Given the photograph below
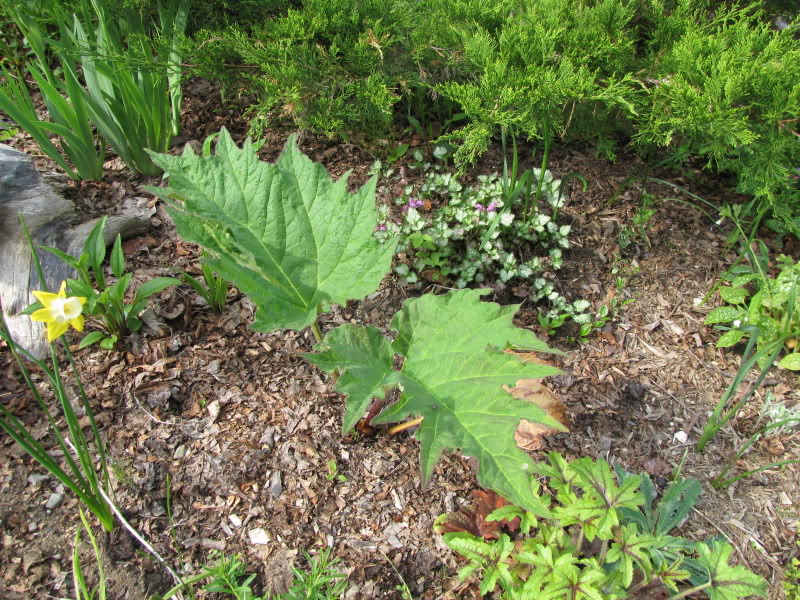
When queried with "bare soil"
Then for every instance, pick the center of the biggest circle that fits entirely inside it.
(237, 428)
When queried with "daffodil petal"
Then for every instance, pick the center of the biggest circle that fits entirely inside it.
(62, 291)
(56, 330)
(77, 322)
(45, 298)
(43, 314)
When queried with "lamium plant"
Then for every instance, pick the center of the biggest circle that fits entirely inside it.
(457, 235)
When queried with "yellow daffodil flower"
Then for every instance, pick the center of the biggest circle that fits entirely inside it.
(59, 311)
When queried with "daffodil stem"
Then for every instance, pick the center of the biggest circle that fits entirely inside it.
(101, 447)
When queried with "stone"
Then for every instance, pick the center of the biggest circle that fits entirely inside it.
(54, 501)
(51, 221)
(258, 536)
(275, 485)
(36, 478)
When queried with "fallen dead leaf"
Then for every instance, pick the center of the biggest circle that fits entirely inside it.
(472, 518)
(529, 435)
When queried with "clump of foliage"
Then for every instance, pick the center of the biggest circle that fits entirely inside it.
(327, 66)
(550, 69)
(725, 89)
(212, 289)
(115, 77)
(601, 537)
(768, 303)
(106, 306)
(458, 235)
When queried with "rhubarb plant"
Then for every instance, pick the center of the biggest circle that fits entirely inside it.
(295, 241)
(455, 365)
(286, 234)
(596, 543)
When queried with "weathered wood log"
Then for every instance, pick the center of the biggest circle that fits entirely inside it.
(48, 217)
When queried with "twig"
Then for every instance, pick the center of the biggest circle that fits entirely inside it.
(406, 425)
(149, 414)
(769, 559)
(141, 540)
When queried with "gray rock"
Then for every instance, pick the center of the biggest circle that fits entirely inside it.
(36, 478)
(275, 485)
(50, 219)
(54, 501)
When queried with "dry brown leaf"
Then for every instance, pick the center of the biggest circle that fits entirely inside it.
(529, 435)
(531, 357)
(472, 518)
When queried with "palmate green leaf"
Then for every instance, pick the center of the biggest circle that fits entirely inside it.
(285, 234)
(728, 582)
(452, 375)
(630, 550)
(598, 507)
(671, 510)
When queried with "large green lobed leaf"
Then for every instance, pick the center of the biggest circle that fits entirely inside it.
(286, 234)
(453, 373)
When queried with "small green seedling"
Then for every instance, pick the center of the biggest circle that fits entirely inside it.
(215, 290)
(333, 472)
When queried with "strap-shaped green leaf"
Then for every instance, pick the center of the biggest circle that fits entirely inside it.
(453, 374)
(285, 234)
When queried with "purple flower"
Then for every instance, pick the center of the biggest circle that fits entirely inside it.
(492, 206)
(479, 207)
(412, 204)
(381, 227)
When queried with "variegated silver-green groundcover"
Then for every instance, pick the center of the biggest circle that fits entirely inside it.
(286, 234)
(453, 372)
